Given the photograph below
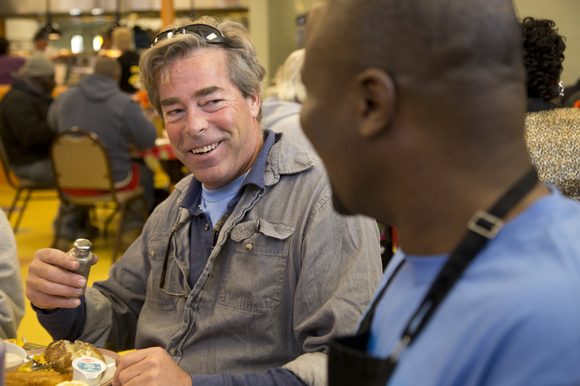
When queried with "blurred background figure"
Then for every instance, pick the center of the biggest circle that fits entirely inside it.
(11, 289)
(572, 96)
(42, 46)
(129, 59)
(281, 109)
(23, 126)
(551, 132)
(107, 44)
(8, 63)
(142, 39)
(543, 57)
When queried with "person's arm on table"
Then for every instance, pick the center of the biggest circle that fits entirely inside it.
(142, 131)
(153, 366)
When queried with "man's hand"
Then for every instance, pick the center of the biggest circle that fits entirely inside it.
(50, 284)
(149, 367)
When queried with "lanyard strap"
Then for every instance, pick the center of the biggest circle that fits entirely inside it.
(482, 227)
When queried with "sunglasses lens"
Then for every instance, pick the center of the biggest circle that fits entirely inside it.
(209, 33)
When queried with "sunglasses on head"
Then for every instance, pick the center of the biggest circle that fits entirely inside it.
(209, 33)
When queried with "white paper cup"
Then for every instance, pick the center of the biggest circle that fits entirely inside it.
(13, 357)
(88, 369)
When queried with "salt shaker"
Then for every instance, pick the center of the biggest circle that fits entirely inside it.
(82, 252)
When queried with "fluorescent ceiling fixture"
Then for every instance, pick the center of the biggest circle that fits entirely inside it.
(77, 44)
(74, 12)
(97, 11)
(97, 42)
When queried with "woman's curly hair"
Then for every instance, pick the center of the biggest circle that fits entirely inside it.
(543, 57)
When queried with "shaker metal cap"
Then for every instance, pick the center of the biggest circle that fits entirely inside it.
(83, 245)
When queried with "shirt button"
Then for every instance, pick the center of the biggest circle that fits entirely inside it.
(172, 351)
(151, 254)
(207, 227)
(248, 247)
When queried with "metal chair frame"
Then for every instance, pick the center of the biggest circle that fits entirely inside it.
(24, 188)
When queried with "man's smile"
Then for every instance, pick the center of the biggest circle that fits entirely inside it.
(205, 149)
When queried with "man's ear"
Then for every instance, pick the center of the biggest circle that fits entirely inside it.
(254, 102)
(376, 101)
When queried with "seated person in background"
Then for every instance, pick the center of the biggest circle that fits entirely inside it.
(8, 64)
(23, 126)
(543, 57)
(12, 304)
(551, 133)
(98, 105)
(245, 272)
(282, 109)
(129, 59)
(422, 128)
(553, 142)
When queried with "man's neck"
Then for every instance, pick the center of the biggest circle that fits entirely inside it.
(440, 227)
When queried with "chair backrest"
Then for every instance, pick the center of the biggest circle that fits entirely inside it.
(80, 161)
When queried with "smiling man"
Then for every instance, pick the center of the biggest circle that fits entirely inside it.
(245, 272)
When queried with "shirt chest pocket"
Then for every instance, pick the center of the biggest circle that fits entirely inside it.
(156, 299)
(254, 266)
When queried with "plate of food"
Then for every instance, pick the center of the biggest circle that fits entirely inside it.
(61, 353)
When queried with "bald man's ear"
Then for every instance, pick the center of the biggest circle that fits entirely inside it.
(377, 101)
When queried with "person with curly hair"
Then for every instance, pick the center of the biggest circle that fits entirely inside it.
(550, 129)
(543, 57)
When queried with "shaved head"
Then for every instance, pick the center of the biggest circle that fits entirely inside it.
(427, 40)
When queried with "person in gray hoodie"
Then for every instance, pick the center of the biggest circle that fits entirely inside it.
(12, 304)
(98, 105)
(281, 110)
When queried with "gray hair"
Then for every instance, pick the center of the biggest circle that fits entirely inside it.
(245, 70)
(108, 67)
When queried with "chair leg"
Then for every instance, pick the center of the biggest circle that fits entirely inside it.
(107, 222)
(24, 203)
(61, 213)
(120, 226)
(13, 206)
(145, 211)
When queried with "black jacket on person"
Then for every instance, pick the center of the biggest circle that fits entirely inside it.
(130, 65)
(23, 126)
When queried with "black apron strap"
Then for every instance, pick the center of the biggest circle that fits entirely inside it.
(365, 325)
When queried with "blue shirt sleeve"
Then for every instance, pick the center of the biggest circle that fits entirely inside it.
(63, 323)
(275, 377)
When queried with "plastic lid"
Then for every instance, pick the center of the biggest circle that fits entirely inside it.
(89, 367)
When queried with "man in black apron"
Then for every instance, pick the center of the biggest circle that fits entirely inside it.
(417, 109)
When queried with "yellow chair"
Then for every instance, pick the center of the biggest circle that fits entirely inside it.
(81, 162)
(22, 186)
